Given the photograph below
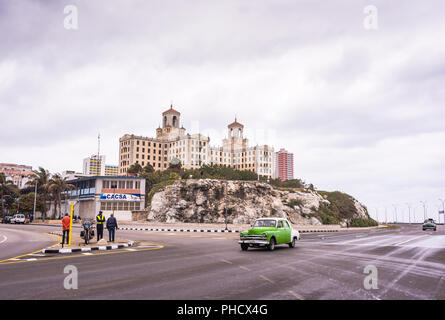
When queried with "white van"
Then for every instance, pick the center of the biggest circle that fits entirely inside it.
(18, 218)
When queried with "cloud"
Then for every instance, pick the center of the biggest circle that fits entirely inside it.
(361, 110)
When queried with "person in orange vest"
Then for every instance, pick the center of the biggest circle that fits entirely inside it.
(66, 228)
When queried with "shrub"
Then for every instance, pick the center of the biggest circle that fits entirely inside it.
(156, 188)
(359, 222)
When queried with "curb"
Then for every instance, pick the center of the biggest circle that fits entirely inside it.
(307, 231)
(180, 230)
(101, 248)
(209, 230)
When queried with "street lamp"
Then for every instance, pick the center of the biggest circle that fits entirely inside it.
(225, 205)
(35, 202)
(377, 214)
(409, 212)
(395, 210)
(443, 210)
(424, 209)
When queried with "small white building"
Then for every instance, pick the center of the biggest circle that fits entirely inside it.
(120, 195)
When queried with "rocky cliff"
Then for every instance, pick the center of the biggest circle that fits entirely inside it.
(203, 201)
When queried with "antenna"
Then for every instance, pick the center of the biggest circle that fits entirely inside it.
(98, 146)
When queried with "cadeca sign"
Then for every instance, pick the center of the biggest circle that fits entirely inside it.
(120, 197)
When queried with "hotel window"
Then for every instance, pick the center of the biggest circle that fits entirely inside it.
(137, 184)
(106, 184)
(129, 184)
(121, 184)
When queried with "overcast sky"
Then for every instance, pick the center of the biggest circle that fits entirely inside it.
(361, 109)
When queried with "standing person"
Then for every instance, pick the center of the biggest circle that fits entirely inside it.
(66, 229)
(100, 219)
(111, 226)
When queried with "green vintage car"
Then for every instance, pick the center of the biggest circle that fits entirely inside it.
(268, 232)
(429, 224)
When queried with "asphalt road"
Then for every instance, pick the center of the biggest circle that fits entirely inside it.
(410, 264)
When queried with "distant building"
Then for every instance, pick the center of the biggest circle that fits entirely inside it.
(284, 165)
(18, 174)
(95, 166)
(173, 144)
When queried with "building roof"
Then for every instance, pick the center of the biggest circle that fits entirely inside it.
(171, 110)
(235, 124)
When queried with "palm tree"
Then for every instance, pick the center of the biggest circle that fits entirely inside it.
(42, 178)
(6, 188)
(58, 185)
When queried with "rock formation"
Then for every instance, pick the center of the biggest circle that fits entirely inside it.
(204, 201)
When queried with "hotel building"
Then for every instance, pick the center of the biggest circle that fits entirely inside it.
(172, 143)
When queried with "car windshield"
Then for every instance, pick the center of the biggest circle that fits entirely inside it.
(265, 223)
(429, 220)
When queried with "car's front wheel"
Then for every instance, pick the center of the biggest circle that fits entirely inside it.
(292, 244)
(271, 245)
(244, 246)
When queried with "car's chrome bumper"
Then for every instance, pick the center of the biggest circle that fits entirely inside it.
(257, 242)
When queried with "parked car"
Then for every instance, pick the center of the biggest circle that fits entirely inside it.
(268, 232)
(6, 219)
(18, 218)
(429, 224)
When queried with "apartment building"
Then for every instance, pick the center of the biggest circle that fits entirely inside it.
(95, 166)
(18, 174)
(284, 165)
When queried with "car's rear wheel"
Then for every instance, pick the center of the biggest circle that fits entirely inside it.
(292, 244)
(244, 246)
(271, 245)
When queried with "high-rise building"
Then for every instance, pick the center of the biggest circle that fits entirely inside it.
(173, 144)
(284, 165)
(95, 166)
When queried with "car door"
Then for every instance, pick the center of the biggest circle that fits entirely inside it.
(286, 232)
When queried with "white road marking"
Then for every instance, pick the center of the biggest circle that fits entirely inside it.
(130, 249)
(32, 259)
(87, 253)
(5, 238)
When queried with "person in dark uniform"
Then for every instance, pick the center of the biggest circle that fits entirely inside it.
(111, 226)
(100, 220)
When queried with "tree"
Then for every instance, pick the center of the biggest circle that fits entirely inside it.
(26, 202)
(148, 168)
(42, 177)
(57, 185)
(135, 169)
(7, 188)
